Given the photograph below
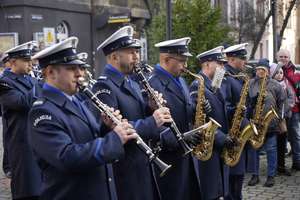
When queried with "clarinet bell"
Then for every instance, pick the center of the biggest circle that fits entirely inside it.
(163, 167)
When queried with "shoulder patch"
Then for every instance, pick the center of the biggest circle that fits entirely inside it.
(103, 91)
(38, 102)
(41, 118)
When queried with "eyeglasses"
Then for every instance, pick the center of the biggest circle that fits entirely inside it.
(283, 56)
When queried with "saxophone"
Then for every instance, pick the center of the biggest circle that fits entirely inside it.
(231, 156)
(203, 151)
(262, 121)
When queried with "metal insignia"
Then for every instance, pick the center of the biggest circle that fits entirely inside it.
(40, 118)
(102, 77)
(38, 102)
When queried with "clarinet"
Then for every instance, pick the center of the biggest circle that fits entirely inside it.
(103, 108)
(150, 91)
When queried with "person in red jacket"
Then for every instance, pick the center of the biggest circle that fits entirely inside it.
(293, 78)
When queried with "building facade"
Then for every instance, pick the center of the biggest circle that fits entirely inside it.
(258, 11)
(51, 21)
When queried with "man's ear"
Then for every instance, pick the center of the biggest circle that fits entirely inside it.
(12, 61)
(167, 59)
(114, 55)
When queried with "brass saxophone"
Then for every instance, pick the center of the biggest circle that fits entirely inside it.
(203, 151)
(232, 156)
(262, 121)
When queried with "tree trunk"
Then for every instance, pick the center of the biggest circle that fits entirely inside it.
(260, 34)
(285, 21)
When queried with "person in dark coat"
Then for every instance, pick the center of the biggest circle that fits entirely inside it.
(214, 174)
(182, 181)
(15, 99)
(277, 74)
(231, 88)
(275, 98)
(293, 77)
(133, 174)
(65, 136)
(5, 161)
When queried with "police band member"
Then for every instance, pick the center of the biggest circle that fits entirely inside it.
(275, 97)
(133, 175)
(65, 135)
(15, 100)
(232, 86)
(181, 181)
(214, 174)
(5, 161)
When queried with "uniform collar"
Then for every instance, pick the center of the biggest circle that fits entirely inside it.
(12, 74)
(113, 69)
(231, 70)
(24, 79)
(59, 98)
(114, 74)
(48, 87)
(165, 72)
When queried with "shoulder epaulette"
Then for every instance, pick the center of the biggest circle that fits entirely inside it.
(102, 77)
(38, 102)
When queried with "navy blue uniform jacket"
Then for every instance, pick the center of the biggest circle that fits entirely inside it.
(133, 174)
(181, 181)
(213, 172)
(16, 99)
(70, 152)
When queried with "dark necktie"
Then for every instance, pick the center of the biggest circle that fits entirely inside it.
(78, 106)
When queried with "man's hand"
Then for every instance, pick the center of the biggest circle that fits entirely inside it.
(161, 116)
(153, 104)
(193, 139)
(230, 142)
(125, 131)
(107, 121)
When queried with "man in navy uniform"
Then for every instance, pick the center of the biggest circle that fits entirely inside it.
(236, 57)
(181, 182)
(65, 134)
(15, 101)
(5, 161)
(134, 178)
(214, 174)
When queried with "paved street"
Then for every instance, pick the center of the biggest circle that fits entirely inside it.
(4, 182)
(286, 188)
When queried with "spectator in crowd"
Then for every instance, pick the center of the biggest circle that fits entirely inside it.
(293, 78)
(277, 74)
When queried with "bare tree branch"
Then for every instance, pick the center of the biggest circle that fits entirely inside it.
(260, 34)
(285, 21)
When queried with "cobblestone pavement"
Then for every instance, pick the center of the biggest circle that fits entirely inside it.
(4, 182)
(286, 188)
